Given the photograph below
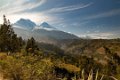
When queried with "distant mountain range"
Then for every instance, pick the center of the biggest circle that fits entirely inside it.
(42, 33)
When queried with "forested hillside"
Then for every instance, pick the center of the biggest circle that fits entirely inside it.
(80, 59)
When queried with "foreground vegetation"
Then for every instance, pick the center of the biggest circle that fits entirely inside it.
(19, 66)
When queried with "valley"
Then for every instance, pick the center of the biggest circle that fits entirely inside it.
(60, 56)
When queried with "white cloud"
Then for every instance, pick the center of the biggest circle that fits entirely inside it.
(87, 31)
(12, 9)
(20, 5)
(36, 17)
(97, 31)
(96, 35)
(105, 35)
(104, 14)
(68, 8)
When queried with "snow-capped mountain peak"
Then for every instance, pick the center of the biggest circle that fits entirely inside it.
(45, 26)
(42, 33)
(25, 24)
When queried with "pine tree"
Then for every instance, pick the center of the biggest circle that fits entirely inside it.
(31, 45)
(8, 39)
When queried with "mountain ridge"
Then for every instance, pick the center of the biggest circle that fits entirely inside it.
(45, 26)
(43, 32)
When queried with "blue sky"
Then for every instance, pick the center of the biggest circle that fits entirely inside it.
(84, 18)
